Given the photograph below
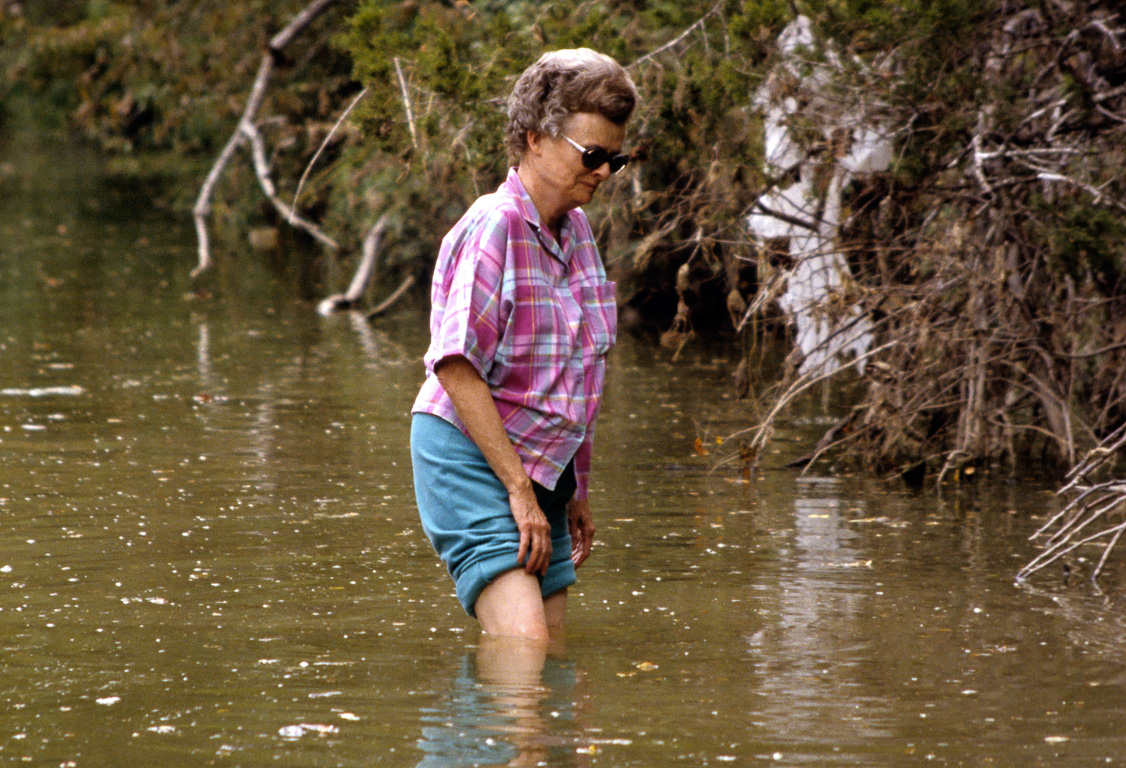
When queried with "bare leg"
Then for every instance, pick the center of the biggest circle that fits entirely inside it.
(554, 607)
(511, 606)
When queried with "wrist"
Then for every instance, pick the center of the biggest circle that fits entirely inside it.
(519, 486)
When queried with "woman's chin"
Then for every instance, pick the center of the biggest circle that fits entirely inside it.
(585, 193)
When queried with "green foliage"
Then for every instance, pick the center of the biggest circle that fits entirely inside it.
(149, 75)
(458, 63)
(1087, 243)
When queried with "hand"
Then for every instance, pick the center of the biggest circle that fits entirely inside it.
(581, 524)
(535, 531)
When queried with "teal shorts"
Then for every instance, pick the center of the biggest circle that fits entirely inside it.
(465, 512)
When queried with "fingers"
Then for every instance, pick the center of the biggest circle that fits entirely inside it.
(582, 540)
(535, 541)
(535, 536)
(580, 550)
(581, 525)
(536, 547)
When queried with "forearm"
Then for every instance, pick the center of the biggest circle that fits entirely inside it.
(582, 469)
(474, 405)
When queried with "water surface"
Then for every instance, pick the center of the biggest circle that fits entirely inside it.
(209, 553)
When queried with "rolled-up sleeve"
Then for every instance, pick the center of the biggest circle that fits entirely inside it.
(468, 317)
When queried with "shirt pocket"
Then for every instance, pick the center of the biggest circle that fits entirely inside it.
(538, 334)
(600, 318)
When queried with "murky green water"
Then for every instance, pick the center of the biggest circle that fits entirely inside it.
(209, 554)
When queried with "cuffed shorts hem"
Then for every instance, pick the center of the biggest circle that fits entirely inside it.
(473, 580)
(465, 513)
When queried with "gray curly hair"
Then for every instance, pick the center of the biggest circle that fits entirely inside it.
(561, 84)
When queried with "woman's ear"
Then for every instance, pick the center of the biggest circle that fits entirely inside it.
(534, 139)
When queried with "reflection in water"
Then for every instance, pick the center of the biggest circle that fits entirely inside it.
(809, 653)
(510, 703)
(209, 555)
(203, 356)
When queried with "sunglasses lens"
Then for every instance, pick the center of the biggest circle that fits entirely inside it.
(594, 158)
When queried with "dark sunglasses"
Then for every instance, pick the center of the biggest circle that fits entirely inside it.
(595, 157)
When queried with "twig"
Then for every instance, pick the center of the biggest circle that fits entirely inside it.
(806, 382)
(397, 294)
(406, 103)
(297, 25)
(1090, 503)
(262, 170)
(370, 252)
(202, 207)
(364, 271)
(950, 457)
(1106, 552)
(1095, 353)
(1050, 556)
(699, 23)
(1053, 176)
(978, 155)
(812, 226)
(324, 144)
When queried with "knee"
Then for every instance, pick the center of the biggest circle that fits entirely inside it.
(527, 630)
(520, 628)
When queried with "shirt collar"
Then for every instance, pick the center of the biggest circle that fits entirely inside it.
(531, 214)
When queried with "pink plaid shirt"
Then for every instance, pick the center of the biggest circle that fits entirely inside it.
(535, 318)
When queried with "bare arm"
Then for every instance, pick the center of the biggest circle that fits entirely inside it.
(474, 405)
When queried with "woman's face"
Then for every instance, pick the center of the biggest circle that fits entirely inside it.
(559, 164)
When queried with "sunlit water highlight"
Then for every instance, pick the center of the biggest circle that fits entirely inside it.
(209, 554)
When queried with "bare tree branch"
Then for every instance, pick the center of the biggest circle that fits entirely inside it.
(262, 170)
(406, 103)
(321, 148)
(699, 23)
(364, 272)
(398, 293)
(246, 124)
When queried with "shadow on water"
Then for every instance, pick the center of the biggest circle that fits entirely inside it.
(209, 553)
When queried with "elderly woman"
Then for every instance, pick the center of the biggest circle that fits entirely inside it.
(522, 318)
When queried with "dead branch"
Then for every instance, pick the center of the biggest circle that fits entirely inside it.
(397, 294)
(364, 272)
(698, 24)
(262, 170)
(246, 124)
(830, 440)
(761, 433)
(406, 103)
(202, 208)
(325, 143)
(999, 355)
(1090, 504)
